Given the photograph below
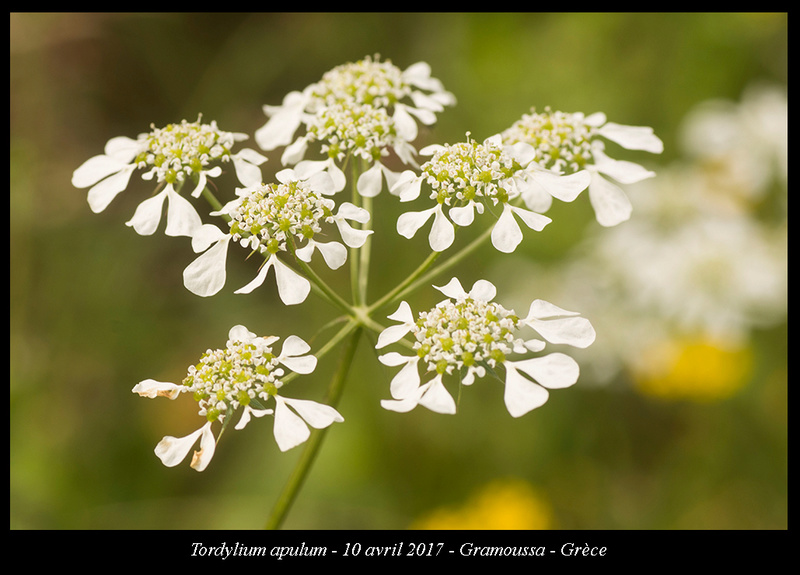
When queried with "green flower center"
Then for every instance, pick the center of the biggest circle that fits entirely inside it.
(226, 378)
(465, 333)
(562, 141)
(272, 214)
(178, 150)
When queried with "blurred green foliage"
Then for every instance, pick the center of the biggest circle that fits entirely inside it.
(96, 308)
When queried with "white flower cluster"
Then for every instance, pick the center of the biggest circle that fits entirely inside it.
(170, 155)
(467, 177)
(471, 336)
(244, 374)
(366, 108)
(358, 129)
(271, 219)
(562, 141)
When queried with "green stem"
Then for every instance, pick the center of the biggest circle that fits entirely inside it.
(324, 288)
(312, 445)
(451, 262)
(364, 254)
(355, 261)
(399, 290)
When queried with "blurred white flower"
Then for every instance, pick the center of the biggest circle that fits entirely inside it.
(470, 335)
(244, 374)
(170, 155)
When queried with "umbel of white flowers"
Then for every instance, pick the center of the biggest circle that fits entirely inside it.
(245, 375)
(468, 336)
(170, 155)
(272, 219)
(365, 109)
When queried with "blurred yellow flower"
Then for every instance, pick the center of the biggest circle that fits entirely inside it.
(696, 369)
(501, 504)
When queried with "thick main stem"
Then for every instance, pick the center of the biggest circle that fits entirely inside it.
(312, 445)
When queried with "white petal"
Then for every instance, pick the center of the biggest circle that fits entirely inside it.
(322, 183)
(404, 123)
(522, 152)
(152, 388)
(407, 186)
(280, 128)
(294, 345)
(393, 359)
(534, 344)
(541, 309)
(201, 183)
(406, 381)
(351, 236)
(437, 398)
(306, 251)
(442, 233)
(453, 290)
(102, 193)
(338, 177)
(563, 187)
(334, 254)
(597, 119)
(534, 221)
(182, 218)
(402, 405)
(122, 148)
(483, 290)
(292, 355)
(403, 314)
(147, 216)
(247, 170)
(258, 280)
(410, 222)
(554, 371)
(241, 334)
(392, 334)
(292, 287)
(95, 169)
(522, 395)
(205, 276)
(370, 182)
(463, 215)
(419, 75)
(349, 211)
(611, 205)
(506, 234)
(206, 235)
(201, 458)
(317, 415)
(172, 450)
(620, 170)
(247, 412)
(633, 137)
(289, 430)
(423, 112)
(574, 331)
(295, 152)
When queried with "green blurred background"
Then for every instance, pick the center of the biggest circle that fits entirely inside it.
(95, 308)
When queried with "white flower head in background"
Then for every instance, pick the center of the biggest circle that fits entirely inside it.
(465, 178)
(364, 109)
(169, 155)
(571, 143)
(270, 219)
(470, 335)
(245, 374)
